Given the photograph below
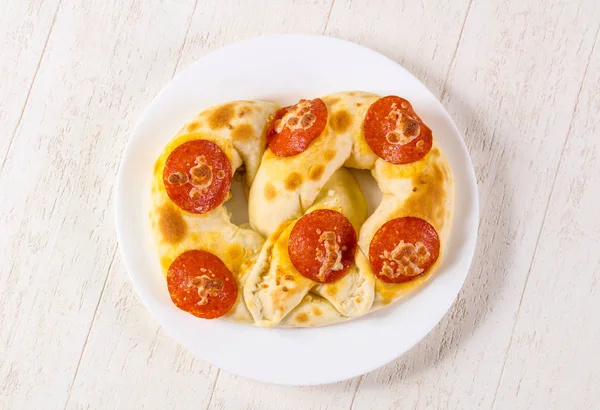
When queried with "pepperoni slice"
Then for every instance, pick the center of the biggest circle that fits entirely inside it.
(197, 176)
(403, 249)
(395, 132)
(200, 283)
(322, 245)
(293, 128)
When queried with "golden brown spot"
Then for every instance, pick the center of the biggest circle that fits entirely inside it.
(264, 285)
(293, 181)
(248, 263)
(431, 196)
(244, 110)
(289, 277)
(359, 104)
(243, 132)
(316, 171)
(410, 127)
(352, 93)
(193, 126)
(340, 121)
(358, 299)
(278, 281)
(285, 289)
(270, 192)
(171, 224)
(329, 155)
(221, 117)
(234, 251)
(317, 311)
(178, 178)
(302, 318)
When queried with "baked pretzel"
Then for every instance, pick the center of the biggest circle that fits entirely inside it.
(323, 260)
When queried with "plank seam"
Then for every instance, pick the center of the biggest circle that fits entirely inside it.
(360, 379)
(328, 16)
(460, 37)
(37, 69)
(185, 39)
(214, 387)
(70, 388)
(534, 254)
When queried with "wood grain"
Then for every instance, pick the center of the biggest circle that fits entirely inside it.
(25, 29)
(512, 94)
(129, 362)
(422, 36)
(215, 24)
(520, 78)
(97, 73)
(550, 363)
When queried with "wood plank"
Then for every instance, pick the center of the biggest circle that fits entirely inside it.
(233, 392)
(553, 360)
(512, 93)
(214, 25)
(24, 28)
(422, 36)
(98, 72)
(130, 363)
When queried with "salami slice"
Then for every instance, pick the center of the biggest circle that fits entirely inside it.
(293, 128)
(395, 132)
(322, 245)
(197, 176)
(200, 283)
(403, 249)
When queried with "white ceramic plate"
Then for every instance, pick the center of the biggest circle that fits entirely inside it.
(284, 68)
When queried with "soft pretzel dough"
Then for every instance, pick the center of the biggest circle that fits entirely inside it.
(274, 287)
(283, 189)
(238, 128)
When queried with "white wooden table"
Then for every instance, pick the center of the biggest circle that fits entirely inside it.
(521, 79)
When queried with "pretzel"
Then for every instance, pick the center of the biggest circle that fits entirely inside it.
(310, 257)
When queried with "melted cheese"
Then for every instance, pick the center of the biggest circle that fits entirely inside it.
(206, 287)
(405, 259)
(332, 258)
(406, 128)
(297, 118)
(202, 177)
